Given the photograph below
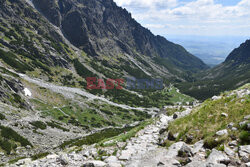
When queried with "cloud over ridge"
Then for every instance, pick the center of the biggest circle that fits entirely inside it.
(202, 17)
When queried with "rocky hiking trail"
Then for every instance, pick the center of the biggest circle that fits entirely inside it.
(141, 150)
(144, 149)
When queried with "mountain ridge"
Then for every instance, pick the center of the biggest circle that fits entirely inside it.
(112, 31)
(240, 54)
(232, 73)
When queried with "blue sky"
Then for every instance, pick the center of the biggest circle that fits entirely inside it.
(227, 2)
(192, 17)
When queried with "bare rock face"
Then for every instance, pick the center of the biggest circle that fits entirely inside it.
(101, 27)
(197, 146)
(229, 151)
(12, 88)
(216, 156)
(50, 9)
(244, 153)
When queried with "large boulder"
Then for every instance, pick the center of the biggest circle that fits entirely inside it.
(244, 153)
(164, 119)
(111, 159)
(174, 149)
(94, 163)
(222, 132)
(125, 155)
(216, 157)
(229, 151)
(185, 151)
(197, 146)
(244, 150)
(216, 98)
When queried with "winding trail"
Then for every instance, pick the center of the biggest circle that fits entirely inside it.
(143, 150)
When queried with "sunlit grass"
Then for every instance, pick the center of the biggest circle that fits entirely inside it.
(206, 120)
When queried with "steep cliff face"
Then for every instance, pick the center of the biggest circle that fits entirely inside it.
(100, 27)
(29, 35)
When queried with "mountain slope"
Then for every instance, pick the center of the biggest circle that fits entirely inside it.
(232, 73)
(241, 54)
(102, 28)
(35, 57)
(30, 44)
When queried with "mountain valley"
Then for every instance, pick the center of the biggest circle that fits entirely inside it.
(48, 117)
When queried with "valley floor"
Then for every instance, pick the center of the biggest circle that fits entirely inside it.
(160, 141)
(144, 148)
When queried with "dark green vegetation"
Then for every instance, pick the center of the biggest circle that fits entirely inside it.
(12, 60)
(56, 125)
(39, 125)
(96, 137)
(15, 160)
(105, 49)
(9, 139)
(244, 134)
(6, 146)
(2, 117)
(82, 70)
(35, 54)
(205, 121)
(5, 71)
(39, 156)
(149, 98)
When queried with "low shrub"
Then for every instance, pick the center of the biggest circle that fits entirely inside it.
(211, 142)
(2, 117)
(9, 133)
(39, 156)
(54, 125)
(6, 146)
(81, 70)
(12, 161)
(39, 125)
(11, 59)
(245, 137)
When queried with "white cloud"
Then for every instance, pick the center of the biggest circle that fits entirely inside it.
(147, 3)
(155, 25)
(197, 17)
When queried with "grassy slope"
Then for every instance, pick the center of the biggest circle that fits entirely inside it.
(206, 120)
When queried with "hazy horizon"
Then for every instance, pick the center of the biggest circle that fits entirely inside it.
(212, 50)
(209, 29)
